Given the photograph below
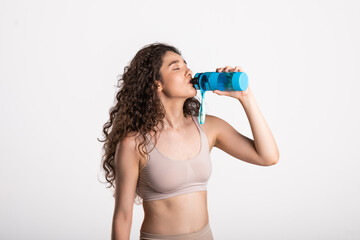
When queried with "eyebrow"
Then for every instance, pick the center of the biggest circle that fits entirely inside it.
(175, 61)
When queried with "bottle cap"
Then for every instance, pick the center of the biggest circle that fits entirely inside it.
(240, 81)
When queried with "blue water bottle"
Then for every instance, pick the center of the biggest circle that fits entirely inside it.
(223, 81)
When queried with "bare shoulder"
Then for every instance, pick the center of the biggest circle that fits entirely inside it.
(211, 122)
(134, 140)
(131, 143)
(211, 127)
(214, 125)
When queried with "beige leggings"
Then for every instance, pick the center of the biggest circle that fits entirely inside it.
(202, 234)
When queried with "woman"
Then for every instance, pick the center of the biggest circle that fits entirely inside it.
(157, 151)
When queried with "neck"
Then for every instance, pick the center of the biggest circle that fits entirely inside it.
(174, 118)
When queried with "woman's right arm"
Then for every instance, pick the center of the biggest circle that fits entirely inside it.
(127, 160)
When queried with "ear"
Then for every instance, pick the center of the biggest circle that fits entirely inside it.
(159, 85)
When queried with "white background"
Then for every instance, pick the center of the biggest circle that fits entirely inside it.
(59, 63)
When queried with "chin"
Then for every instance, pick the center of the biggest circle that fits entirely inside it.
(195, 93)
(191, 93)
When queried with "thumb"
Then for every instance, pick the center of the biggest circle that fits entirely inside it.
(218, 92)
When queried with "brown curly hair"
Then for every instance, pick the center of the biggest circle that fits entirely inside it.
(138, 108)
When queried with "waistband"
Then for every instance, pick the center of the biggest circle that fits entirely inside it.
(203, 234)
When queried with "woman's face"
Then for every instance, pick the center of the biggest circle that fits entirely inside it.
(176, 77)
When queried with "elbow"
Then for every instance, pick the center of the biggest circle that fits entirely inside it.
(271, 161)
(121, 218)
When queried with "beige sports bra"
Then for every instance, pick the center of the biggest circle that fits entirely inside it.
(163, 177)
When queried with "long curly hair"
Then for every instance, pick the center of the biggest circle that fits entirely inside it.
(138, 109)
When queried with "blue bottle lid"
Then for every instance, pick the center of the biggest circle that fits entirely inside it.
(240, 81)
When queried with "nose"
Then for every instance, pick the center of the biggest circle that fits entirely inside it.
(189, 72)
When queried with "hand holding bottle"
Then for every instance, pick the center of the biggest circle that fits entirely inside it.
(235, 94)
(228, 81)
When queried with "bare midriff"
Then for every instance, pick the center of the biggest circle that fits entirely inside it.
(180, 214)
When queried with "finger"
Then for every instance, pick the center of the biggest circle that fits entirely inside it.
(221, 93)
(238, 69)
(219, 69)
(228, 68)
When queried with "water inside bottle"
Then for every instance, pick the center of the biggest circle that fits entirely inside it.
(224, 82)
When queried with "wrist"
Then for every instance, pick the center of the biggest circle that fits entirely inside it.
(248, 98)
